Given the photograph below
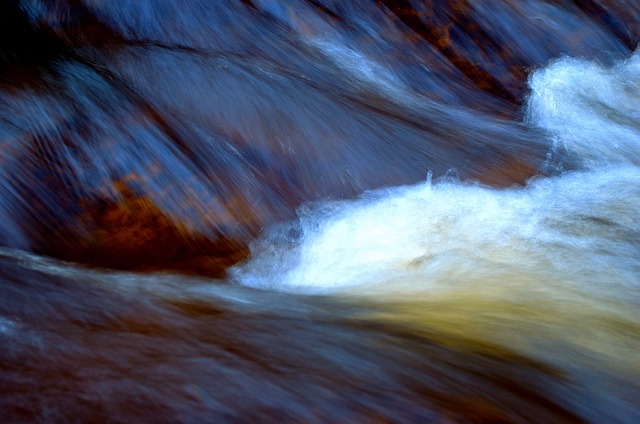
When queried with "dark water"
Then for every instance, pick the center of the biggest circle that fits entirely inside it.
(400, 211)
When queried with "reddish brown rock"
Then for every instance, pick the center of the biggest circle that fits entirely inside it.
(133, 234)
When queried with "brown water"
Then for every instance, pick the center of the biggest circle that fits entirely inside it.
(399, 211)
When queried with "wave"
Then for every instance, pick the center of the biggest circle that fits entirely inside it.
(580, 225)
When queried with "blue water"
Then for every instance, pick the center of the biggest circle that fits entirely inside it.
(439, 201)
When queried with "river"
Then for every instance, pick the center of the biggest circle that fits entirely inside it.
(319, 211)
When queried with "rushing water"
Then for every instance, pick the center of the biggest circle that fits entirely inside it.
(400, 211)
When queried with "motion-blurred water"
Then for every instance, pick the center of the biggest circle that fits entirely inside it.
(440, 200)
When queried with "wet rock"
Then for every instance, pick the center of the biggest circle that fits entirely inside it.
(230, 117)
(133, 234)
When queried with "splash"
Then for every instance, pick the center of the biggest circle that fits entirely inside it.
(590, 110)
(551, 269)
(580, 227)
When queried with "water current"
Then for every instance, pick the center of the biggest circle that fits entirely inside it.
(319, 211)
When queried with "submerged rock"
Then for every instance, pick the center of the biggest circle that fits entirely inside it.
(161, 136)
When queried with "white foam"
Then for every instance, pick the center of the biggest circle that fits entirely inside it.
(580, 228)
(452, 234)
(591, 110)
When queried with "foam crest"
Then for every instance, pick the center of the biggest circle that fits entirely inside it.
(439, 237)
(591, 110)
(577, 229)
